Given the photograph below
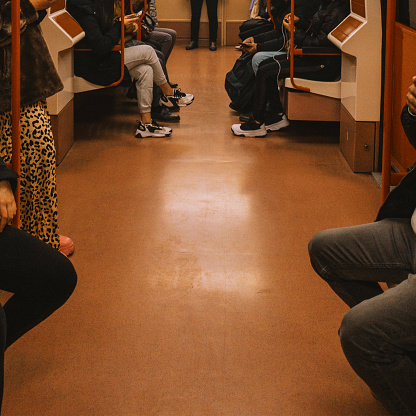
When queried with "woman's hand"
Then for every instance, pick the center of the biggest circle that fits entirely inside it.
(131, 24)
(411, 97)
(287, 19)
(249, 45)
(7, 204)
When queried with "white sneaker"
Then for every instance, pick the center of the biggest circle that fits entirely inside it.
(249, 129)
(277, 122)
(152, 130)
(178, 98)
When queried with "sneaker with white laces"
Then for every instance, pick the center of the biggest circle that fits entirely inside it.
(152, 130)
(178, 98)
(277, 122)
(249, 129)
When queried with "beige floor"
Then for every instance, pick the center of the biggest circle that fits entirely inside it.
(195, 293)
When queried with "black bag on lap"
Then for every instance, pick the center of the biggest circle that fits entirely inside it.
(239, 84)
(253, 27)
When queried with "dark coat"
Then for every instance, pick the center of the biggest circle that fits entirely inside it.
(39, 78)
(401, 201)
(101, 66)
(316, 22)
(7, 174)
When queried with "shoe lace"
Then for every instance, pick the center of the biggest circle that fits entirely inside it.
(178, 93)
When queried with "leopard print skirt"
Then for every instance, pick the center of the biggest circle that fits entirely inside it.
(38, 199)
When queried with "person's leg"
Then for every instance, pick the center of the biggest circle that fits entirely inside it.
(196, 7)
(353, 259)
(38, 199)
(212, 6)
(163, 40)
(261, 56)
(378, 337)
(172, 34)
(40, 278)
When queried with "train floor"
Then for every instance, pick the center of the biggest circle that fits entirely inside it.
(195, 294)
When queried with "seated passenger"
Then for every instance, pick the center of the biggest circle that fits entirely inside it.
(378, 334)
(40, 278)
(267, 114)
(101, 65)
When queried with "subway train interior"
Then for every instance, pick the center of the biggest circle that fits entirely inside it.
(195, 292)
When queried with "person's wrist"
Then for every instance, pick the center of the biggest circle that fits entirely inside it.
(410, 112)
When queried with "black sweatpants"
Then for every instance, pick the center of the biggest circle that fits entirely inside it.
(41, 280)
(266, 90)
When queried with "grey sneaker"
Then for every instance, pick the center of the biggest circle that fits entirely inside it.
(152, 130)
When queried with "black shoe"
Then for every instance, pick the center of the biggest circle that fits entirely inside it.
(212, 46)
(132, 92)
(162, 113)
(245, 117)
(173, 84)
(192, 45)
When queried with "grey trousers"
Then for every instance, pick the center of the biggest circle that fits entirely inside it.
(378, 334)
(163, 38)
(144, 66)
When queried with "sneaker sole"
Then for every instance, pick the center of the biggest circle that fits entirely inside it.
(144, 136)
(277, 126)
(185, 104)
(248, 134)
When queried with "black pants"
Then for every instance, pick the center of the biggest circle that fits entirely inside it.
(196, 7)
(41, 280)
(266, 90)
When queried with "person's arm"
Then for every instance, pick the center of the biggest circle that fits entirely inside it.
(8, 181)
(408, 116)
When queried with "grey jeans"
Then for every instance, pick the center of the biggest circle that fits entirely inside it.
(378, 334)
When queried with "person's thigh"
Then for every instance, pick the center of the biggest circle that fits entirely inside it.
(382, 251)
(261, 56)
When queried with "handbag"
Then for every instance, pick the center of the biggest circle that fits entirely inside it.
(148, 24)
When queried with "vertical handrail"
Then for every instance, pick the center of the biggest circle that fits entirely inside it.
(269, 10)
(292, 48)
(388, 98)
(15, 108)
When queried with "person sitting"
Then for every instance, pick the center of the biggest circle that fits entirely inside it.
(40, 278)
(378, 334)
(321, 68)
(102, 66)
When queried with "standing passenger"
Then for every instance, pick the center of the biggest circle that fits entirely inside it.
(196, 7)
(39, 80)
(378, 334)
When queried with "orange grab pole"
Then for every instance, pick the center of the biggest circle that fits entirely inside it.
(388, 96)
(269, 10)
(16, 101)
(292, 48)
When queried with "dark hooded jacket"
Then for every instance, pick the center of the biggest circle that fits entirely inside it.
(101, 65)
(39, 78)
(401, 202)
(317, 20)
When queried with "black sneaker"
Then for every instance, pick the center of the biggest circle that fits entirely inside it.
(162, 113)
(152, 130)
(244, 117)
(178, 98)
(249, 129)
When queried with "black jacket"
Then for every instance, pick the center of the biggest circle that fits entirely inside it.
(101, 66)
(7, 174)
(401, 201)
(317, 20)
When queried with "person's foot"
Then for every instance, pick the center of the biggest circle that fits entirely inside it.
(249, 129)
(66, 245)
(192, 45)
(213, 46)
(152, 130)
(178, 98)
(162, 113)
(276, 122)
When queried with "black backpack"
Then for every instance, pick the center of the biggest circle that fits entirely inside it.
(239, 84)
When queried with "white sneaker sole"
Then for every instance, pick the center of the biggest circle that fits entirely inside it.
(277, 126)
(242, 133)
(143, 135)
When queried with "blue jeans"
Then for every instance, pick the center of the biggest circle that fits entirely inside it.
(378, 334)
(261, 56)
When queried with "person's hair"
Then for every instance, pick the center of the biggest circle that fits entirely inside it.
(105, 10)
